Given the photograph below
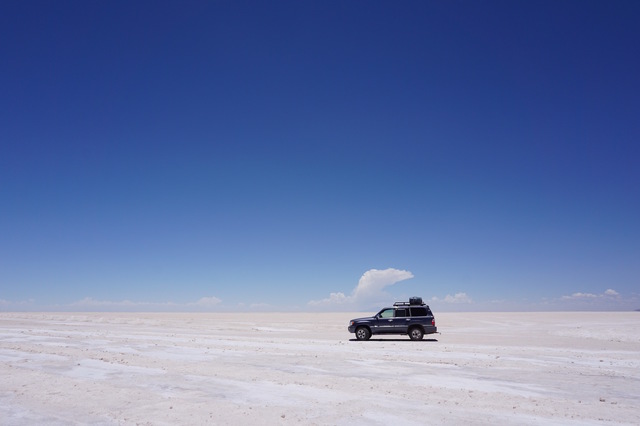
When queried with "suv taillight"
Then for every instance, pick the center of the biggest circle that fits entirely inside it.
(433, 322)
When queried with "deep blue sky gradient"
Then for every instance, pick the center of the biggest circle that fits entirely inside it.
(272, 152)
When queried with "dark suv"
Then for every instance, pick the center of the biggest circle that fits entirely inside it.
(413, 318)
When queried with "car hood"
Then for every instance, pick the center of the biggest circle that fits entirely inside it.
(363, 319)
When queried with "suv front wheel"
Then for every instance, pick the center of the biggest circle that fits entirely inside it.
(362, 333)
(416, 334)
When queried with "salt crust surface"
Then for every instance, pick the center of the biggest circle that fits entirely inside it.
(263, 369)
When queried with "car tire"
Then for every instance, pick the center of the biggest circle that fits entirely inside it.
(363, 333)
(416, 334)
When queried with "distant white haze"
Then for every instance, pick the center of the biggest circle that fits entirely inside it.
(376, 288)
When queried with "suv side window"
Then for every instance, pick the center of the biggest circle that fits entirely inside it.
(418, 312)
(387, 313)
(401, 313)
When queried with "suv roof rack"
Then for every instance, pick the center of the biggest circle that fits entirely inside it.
(408, 304)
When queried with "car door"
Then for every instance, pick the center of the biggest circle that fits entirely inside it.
(401, 321)
(385, 320)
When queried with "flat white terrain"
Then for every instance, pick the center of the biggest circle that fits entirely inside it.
(167, 369)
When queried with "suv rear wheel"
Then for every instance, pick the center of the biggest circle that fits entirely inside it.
(415, 333)
(362, 333)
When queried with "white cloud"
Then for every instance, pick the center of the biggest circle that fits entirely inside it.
(373, 281)
(370, 286)
(206, 302)
(456, 298)
(333, 299)
(580, 296)
(587, 296)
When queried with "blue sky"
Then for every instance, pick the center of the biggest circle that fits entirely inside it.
(233, 155)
